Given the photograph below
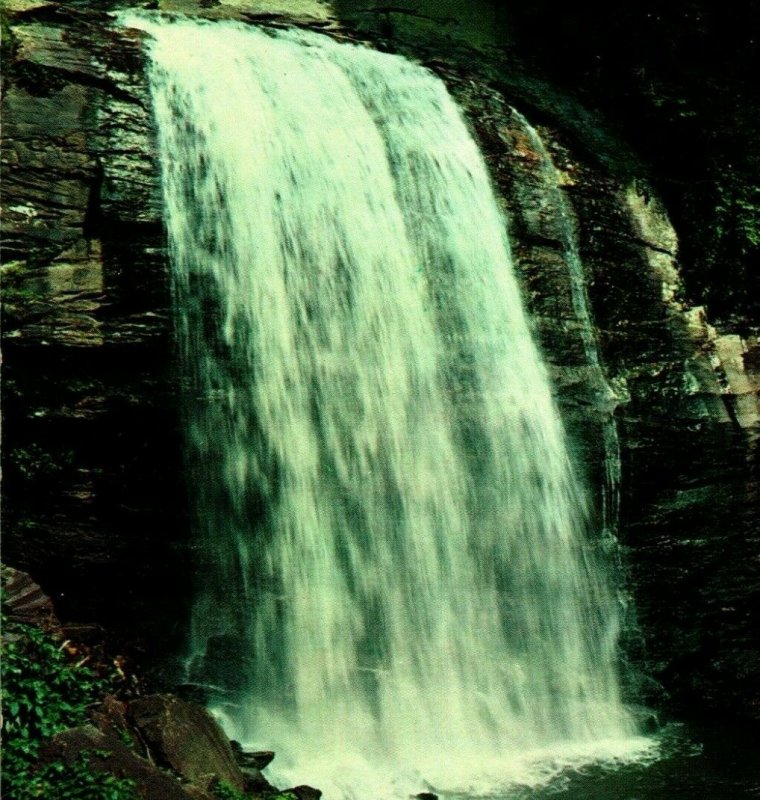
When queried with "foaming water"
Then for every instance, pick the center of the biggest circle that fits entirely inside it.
(399, 590)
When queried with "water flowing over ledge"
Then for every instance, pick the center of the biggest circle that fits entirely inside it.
(398, 570)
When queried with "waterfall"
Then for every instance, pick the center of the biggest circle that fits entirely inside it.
(398, 589)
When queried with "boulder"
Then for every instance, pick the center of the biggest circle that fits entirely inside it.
(258, 759)
(106, 753)
(251, 758)
(186, 738)
(199, 793)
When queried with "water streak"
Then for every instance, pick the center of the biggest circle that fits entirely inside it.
(553, 199)
(398, 591)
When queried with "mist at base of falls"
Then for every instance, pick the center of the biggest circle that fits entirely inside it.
(400, 590)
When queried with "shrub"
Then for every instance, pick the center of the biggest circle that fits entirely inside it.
(44, 692)
(58, 781)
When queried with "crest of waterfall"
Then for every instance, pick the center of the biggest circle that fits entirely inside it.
(398, 589)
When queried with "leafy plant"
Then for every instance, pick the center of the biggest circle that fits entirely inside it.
(77, 781)
(45, 692)
(8, 42)
(223, 791)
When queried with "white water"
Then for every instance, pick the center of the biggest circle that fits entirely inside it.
(390, 530)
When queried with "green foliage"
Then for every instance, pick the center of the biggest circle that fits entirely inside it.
(223, 791)
(126, 739)
(737, 212)
(44, 692)
(34, 463)
(77, 781)
(22, 296)
(725, 253)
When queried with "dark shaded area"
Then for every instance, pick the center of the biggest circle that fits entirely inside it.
(698, 760)
(679, 81)
(93, 494)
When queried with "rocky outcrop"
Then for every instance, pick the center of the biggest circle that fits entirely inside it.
(689, 474)
(24, 601)
(185, 737)
(93, 497)
(178, 759)
(107, 753)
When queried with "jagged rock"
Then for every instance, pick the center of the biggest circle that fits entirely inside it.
(258, 759)
(85, 325)
(185, 737)
(203, 788)
(251, 764)
(251, 758)
(308, 13)
(24, 600)
(106, 753)
(255, 782)
(199, 793)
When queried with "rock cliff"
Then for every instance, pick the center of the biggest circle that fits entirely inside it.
(93, 492)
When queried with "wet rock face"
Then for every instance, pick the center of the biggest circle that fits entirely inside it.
(90, 463)
(94, 501)
(690, 475)
(542, 227)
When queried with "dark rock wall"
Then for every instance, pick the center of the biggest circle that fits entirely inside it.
(94, 503)
(92, 497)
(689, 478)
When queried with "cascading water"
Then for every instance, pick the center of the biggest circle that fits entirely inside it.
(395, 562)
